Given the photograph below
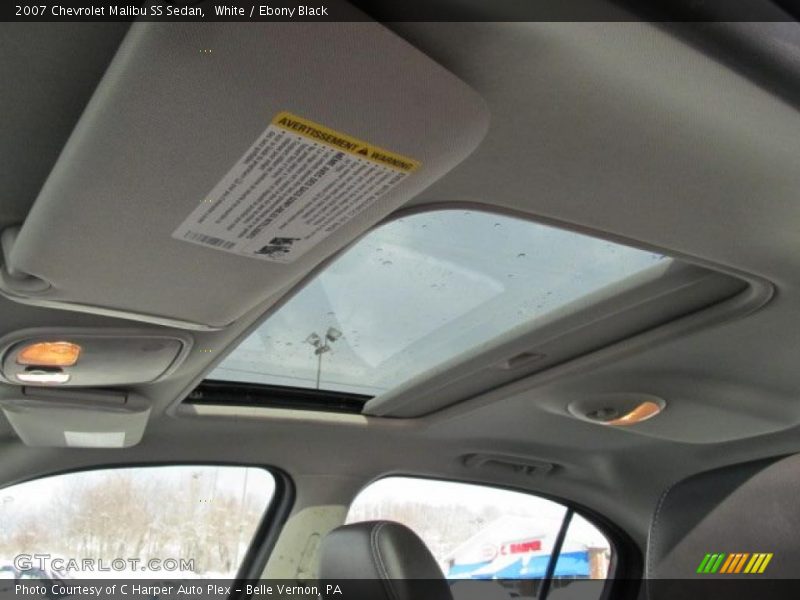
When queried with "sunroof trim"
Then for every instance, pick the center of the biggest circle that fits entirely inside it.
(696, 297)
(234, 393)
(483, 211)
(758, 292)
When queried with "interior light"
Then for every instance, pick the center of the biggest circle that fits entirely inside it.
(49, 354)
(645, 410)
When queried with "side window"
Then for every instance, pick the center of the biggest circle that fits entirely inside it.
(155, 522)
(483, 533)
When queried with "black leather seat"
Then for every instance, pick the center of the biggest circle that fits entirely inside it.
(751, 509)
(381, 560)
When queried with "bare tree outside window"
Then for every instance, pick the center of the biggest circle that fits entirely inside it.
(205, 515)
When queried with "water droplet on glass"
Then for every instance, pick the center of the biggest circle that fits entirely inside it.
(386, 262)
(521, 255)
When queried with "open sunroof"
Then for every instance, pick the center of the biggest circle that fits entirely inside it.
(420, 291)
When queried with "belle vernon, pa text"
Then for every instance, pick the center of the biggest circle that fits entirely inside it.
(62, 589)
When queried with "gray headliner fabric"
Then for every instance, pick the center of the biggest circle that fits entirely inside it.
(46, 85)
(748, 508)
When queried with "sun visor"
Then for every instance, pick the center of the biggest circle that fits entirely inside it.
(77, 418)
(216, 163)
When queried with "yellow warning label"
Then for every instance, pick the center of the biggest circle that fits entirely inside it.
(336, 139)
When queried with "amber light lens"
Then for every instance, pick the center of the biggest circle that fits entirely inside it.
(49, 354)
(644, 411)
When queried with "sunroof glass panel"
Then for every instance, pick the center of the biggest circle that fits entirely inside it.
(422, 290)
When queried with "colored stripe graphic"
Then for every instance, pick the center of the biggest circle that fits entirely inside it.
(703, 563)
(715, 567)
(754, 563)
(730, 564)
(764, 564)
(741, 562)
(737, 562)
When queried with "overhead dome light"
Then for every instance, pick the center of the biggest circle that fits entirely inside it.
(49, 354)
(646, 410)
(617, 410)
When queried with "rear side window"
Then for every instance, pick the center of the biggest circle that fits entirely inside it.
(531, 546)
(156, 522)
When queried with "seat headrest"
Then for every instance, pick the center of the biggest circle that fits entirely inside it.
(389, 559)
(747, 510)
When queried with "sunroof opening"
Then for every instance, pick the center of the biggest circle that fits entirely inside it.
(422, 290)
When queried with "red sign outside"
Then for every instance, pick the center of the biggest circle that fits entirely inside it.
(523, 547)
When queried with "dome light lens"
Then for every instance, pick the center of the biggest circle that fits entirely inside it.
(49, 354)
(646, 410)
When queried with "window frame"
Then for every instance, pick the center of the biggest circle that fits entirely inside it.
(626, 563)
(266, 532)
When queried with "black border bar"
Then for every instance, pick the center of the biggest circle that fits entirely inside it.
(402, 10)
